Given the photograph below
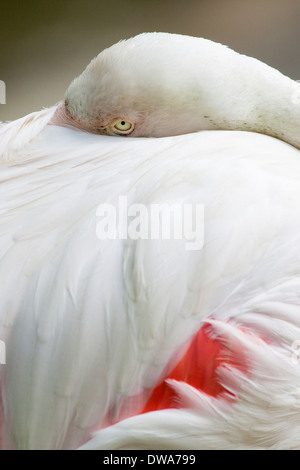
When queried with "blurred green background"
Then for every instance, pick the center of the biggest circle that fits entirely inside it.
(45, 44)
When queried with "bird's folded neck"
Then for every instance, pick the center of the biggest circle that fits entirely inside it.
(262, 100)
(278, 114)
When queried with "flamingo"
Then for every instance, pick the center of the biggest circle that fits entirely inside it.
(141, 343)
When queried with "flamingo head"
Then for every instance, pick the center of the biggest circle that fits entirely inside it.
(161, 84)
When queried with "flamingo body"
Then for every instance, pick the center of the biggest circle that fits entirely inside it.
(150, 342)
(94, 327)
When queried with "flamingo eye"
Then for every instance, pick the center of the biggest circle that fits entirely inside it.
(123, 126)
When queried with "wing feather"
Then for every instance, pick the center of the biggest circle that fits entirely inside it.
(92, 325)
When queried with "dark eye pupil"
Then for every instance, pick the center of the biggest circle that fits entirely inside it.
(123, 123)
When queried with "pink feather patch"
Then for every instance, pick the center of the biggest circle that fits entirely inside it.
(199, 367)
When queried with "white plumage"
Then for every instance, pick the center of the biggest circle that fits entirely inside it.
(90, 325)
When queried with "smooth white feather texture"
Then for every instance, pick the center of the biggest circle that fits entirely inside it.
(16, 136)
(90, 325)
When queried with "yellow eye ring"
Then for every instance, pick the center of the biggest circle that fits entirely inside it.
(123, 126)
